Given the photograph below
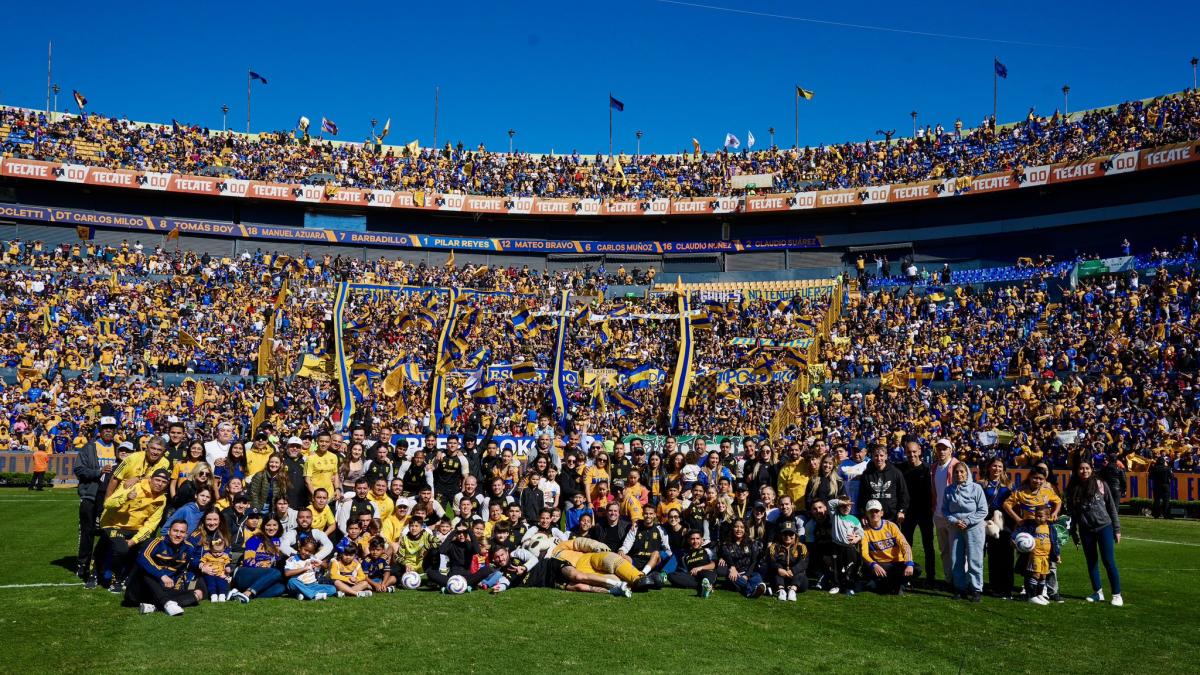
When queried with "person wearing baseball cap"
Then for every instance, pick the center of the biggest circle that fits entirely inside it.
(93, 465)
(887, 557)
(942, 476)
(130, 518)
(787, 561)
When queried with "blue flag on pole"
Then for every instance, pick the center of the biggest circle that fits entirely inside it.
(256, 76)
(615, 104)
(1001, 69)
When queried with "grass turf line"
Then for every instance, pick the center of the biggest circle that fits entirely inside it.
(69, 629)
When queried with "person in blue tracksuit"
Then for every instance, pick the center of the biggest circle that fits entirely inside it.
(965, 507)
(163, 574)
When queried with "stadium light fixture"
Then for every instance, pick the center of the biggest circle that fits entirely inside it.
(1066, 90)
(511, 133)
(1194, 61)
(914, 116)
(224, 116)
(771, 131)
(56, 89)
(638, 133)
(373, 123)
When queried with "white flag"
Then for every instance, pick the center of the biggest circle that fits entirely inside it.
(749, 140)
(732, 141)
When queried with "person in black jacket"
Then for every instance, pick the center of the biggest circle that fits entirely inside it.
(884, 482)
(919, 484)
(740, 561)
(788, 563)
(1113, 475)
(696, 568)
(612, 527)
(293, 463)
(1161, 476)
(456, 553)
(93, 466)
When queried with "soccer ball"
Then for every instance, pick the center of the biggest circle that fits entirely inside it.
(1024, 542)
(410, 580)
(457, 585)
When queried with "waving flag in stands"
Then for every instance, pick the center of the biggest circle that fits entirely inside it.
(1001, 69)
(256, 76)
(732, 141)
(80, 99)
(749, 140)
(328, 126)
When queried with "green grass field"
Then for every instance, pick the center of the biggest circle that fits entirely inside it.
(68, 629)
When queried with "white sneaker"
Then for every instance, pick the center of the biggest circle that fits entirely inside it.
(791, 596)
(320, 596)
(365, 594)
(1039, 600)
(341, 594)
(146, 608)
(1098, 596)
(214, 598)
(1117, 600)
(834, 590)
(172, 608)
(782, 595)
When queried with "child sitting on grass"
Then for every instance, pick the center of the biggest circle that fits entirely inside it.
(347, 573)
(214, 566)
(301, 572)
(378, 567)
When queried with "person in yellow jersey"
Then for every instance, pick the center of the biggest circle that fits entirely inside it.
(94, 464)
(139, 465)
(321, 470)
(323, 517)
(887, 557)
(260, 451)
(589, 566)
(130, 517)
(392, 527)
(381, 499)
(794, 475)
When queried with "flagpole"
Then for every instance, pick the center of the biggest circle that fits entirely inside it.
(995, 89)
(247, 100)
(49, 71)
(610, 126)
(436, 91)
(797, 145)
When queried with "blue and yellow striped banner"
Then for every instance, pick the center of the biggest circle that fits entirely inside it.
(558, 387)
(437, 405)
(339, 352)
(682, 377)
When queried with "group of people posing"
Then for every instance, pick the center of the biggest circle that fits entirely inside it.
(183, 519)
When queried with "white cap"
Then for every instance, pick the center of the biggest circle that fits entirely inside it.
(295, 440)
(126, 446)
(946, 442)
(874, 505)
(108, 421)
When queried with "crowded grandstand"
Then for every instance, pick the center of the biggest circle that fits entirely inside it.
(320, 422)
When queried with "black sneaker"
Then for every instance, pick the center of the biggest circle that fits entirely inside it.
(117, 588)
(900, 590)
(758, 591)
(644, 583)
(1056, 598)
(976, 597)
(90, 583)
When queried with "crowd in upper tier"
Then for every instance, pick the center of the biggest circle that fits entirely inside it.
(1110, 363)
(285, 157)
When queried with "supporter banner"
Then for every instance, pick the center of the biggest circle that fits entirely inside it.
(22, 462)
(803, 343)
(388, 239)
(744, 377)
(686, 442)
(522, 446)
(250, 189)
(818, 291)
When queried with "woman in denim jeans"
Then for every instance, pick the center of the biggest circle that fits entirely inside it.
(1094, 520)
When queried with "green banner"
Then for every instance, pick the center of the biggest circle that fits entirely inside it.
(655, 443)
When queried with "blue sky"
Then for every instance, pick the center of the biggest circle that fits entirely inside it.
(545, 68)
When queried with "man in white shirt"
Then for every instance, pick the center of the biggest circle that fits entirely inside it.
(216, 450)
